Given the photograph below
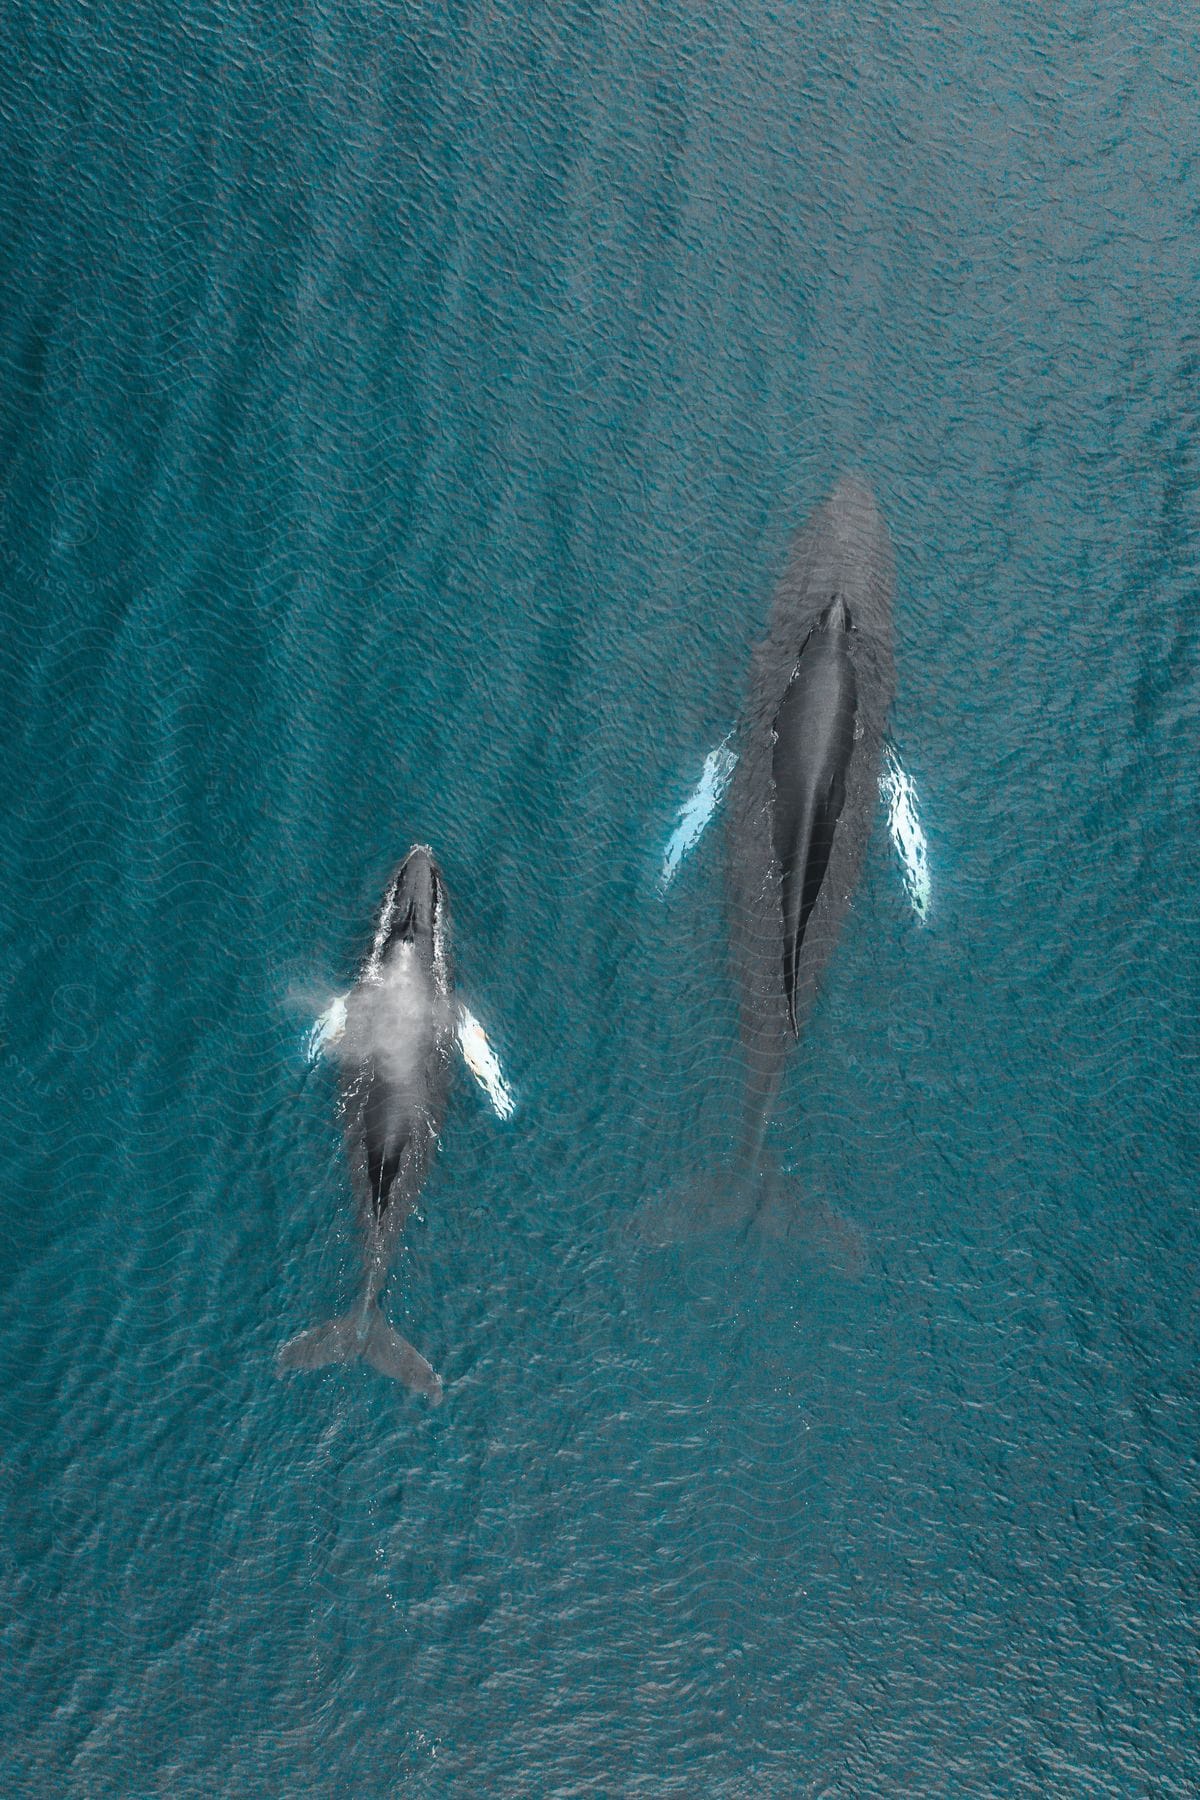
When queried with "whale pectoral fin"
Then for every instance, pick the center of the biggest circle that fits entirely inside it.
(329, 1029)
(899, 795)
(393, 1355)
(483, 1063)
(693, 816)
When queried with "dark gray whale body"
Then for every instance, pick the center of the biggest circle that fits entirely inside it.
(814, 741)
(804, 793)
(395, 1053)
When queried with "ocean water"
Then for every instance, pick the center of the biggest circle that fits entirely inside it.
(404, 412)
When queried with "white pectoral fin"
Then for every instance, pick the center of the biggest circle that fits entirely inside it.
(483, 1063)
(693, 816)
(904, 824)
(327, 1031)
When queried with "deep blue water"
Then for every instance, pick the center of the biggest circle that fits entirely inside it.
(404, 412)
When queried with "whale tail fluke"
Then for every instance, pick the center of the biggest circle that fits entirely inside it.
(393, 1355)
(762, 1206)
(691, 1209)
(343, 1341)
(337, 1342)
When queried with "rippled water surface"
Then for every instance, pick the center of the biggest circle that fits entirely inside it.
(404, 412)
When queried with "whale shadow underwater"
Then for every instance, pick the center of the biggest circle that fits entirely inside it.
(802, 791)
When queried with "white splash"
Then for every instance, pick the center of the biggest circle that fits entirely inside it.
(698, 809)
(329, 1031)
(900, 797)
(483, 1063)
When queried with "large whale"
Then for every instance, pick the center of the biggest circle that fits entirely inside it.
(803, 793)
(395, 1048)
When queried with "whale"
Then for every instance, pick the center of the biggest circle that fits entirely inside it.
(797, 783)
(395, 1035)
(803, 795)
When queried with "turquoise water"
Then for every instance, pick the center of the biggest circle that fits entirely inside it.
(403, 415)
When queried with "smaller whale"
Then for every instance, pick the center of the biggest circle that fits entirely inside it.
(394, 1042)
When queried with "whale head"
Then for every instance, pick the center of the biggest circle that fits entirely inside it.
(414, 914)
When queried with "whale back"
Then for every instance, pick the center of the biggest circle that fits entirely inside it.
(813, 743)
